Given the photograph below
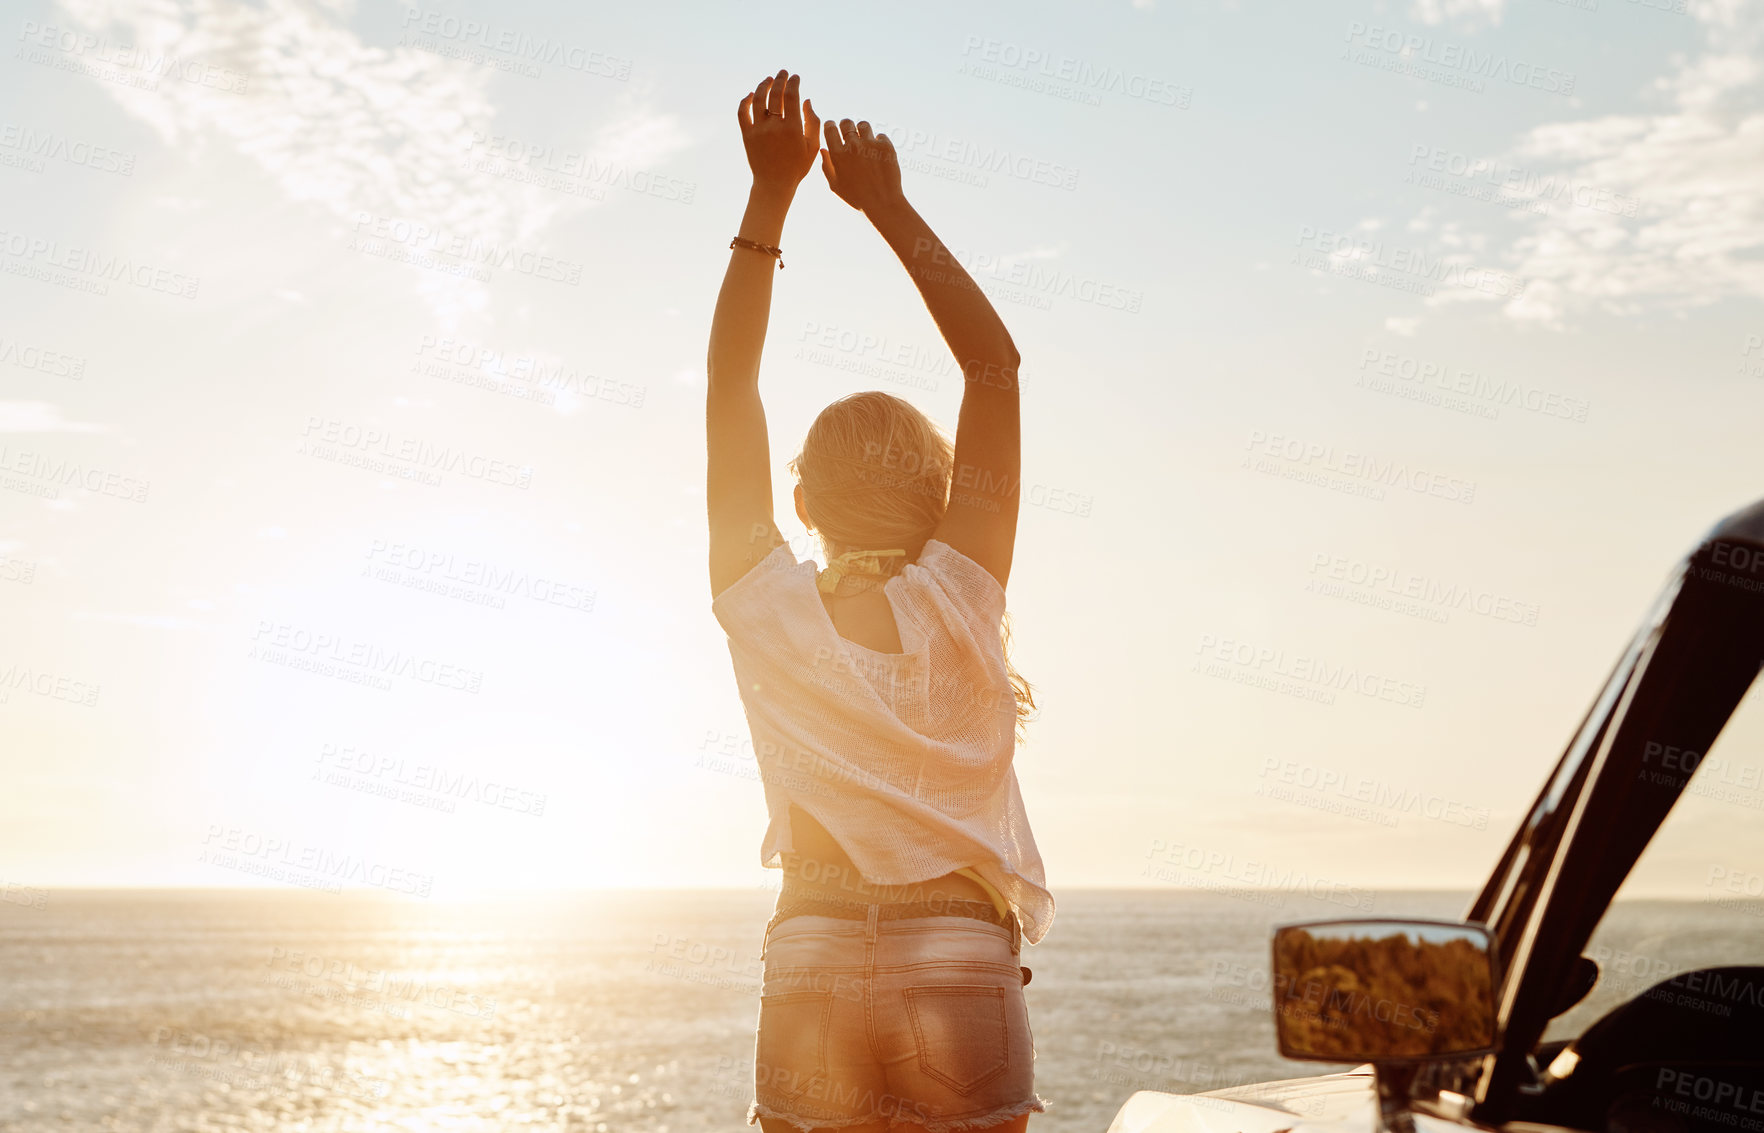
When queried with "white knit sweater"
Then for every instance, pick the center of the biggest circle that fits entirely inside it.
(904, 757)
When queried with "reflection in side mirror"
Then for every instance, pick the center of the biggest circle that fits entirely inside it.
(1383, 991)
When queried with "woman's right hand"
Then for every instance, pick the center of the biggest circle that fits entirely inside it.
(778, 132)
(862, 167)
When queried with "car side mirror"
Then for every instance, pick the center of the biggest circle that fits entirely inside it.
(1384, 990)
(1395, 993)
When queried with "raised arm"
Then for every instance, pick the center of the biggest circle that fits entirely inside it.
(780, 135)
(981, 522)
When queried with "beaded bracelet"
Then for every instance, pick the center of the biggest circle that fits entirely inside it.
(768, 249)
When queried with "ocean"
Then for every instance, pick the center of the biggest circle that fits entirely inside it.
(290, 1010)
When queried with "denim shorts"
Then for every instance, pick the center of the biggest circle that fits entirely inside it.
(919, 1020)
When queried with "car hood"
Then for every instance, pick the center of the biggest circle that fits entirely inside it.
(1326, 1102)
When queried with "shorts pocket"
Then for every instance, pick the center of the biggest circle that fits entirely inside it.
(962, 1031)
(790, 1053)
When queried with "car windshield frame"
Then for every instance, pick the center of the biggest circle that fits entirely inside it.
(1681, 676)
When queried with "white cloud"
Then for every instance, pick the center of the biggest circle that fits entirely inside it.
(143, 621)
(1660, 210)
(41, 417)
(353, 127)
(1461, 12)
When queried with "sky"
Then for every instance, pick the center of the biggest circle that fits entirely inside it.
(1379, 363)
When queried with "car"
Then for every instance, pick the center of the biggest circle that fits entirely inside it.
(1446, 1019)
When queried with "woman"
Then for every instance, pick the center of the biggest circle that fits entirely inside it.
(883, 709)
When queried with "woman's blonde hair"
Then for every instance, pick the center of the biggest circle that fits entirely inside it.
(875, 473)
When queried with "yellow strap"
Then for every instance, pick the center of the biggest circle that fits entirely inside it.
(854, 562)
(998, 901)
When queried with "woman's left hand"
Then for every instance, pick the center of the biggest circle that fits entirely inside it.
(780, 151)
